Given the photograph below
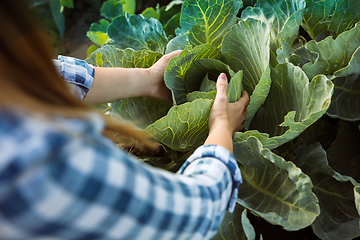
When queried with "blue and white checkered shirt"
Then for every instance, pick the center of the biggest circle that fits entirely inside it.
(63, 179)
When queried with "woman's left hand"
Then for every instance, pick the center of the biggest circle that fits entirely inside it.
(158, 88)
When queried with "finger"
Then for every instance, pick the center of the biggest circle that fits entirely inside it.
(244, 99)
(173, 54)
(221, 85)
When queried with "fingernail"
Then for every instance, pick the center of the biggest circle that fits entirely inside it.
(223, 76)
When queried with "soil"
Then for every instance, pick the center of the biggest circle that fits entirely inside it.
(75, 43)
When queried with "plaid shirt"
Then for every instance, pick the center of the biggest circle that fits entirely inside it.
(63, 179)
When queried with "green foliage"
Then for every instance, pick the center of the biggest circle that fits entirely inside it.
(357, 198)
(275, 189)
(292, 84)
(236, 226)
(56, 8)
(120, 23)
(97, 33)
(137, 32)
(169, 16)
(330, 16)
(110, 9)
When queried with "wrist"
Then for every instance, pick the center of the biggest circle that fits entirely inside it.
(220, 134)
(220, 123)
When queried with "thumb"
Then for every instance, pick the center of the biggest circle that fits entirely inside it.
(221, 85)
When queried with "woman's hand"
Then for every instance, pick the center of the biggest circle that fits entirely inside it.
(228, 114)
(112, 84)
(158, 89)
(226, 118)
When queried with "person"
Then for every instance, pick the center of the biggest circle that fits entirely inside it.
(61, 174)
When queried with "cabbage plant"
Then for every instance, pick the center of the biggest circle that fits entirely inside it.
(299, 62)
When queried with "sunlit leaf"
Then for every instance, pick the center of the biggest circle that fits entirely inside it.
(178, 43)
(137, 32)
(292, 105)
(140, 111)
(204, 67)
(67, 3)
(206, 22)
(346, 99)
(275, 189)
(332, 54)
(151, 12)
(185, 127)
(253, 59)
(283, 17)
(334, 16)
(98, 32)
(233, 92)
(129, 6)
(175, 74)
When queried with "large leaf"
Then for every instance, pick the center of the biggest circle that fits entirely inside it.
(185, 127)
(233, 92)
(175, 73)
(206, 22)
(172, 24)
(292, 105)
(58, 16)
(111, 9)
(128, 58)
(357, 198)
(67, 3)
(275, 189)
(98, 32)
(334, 16)
(141, 111)
(178, 43)
(321, 131)
(284, 18)
(235, 226)
(344, 153)
(137, 32)
(332, 54)
(338, 218)
(252, 58)
(205, 67)
(129, 6)
(345, 103)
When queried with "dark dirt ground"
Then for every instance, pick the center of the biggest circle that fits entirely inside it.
(75, 44)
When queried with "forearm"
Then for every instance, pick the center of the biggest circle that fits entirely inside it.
(220, 135)
(112, 84)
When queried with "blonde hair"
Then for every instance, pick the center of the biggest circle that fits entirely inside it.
(29, 80)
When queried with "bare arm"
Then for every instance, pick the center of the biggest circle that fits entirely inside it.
(112, 84)
(226, 118)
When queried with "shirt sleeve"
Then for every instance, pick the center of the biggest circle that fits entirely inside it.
(220, 154)
(84, 187)
(77, 73)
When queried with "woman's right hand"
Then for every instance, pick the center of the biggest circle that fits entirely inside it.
(226, 118)
(231, 115)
